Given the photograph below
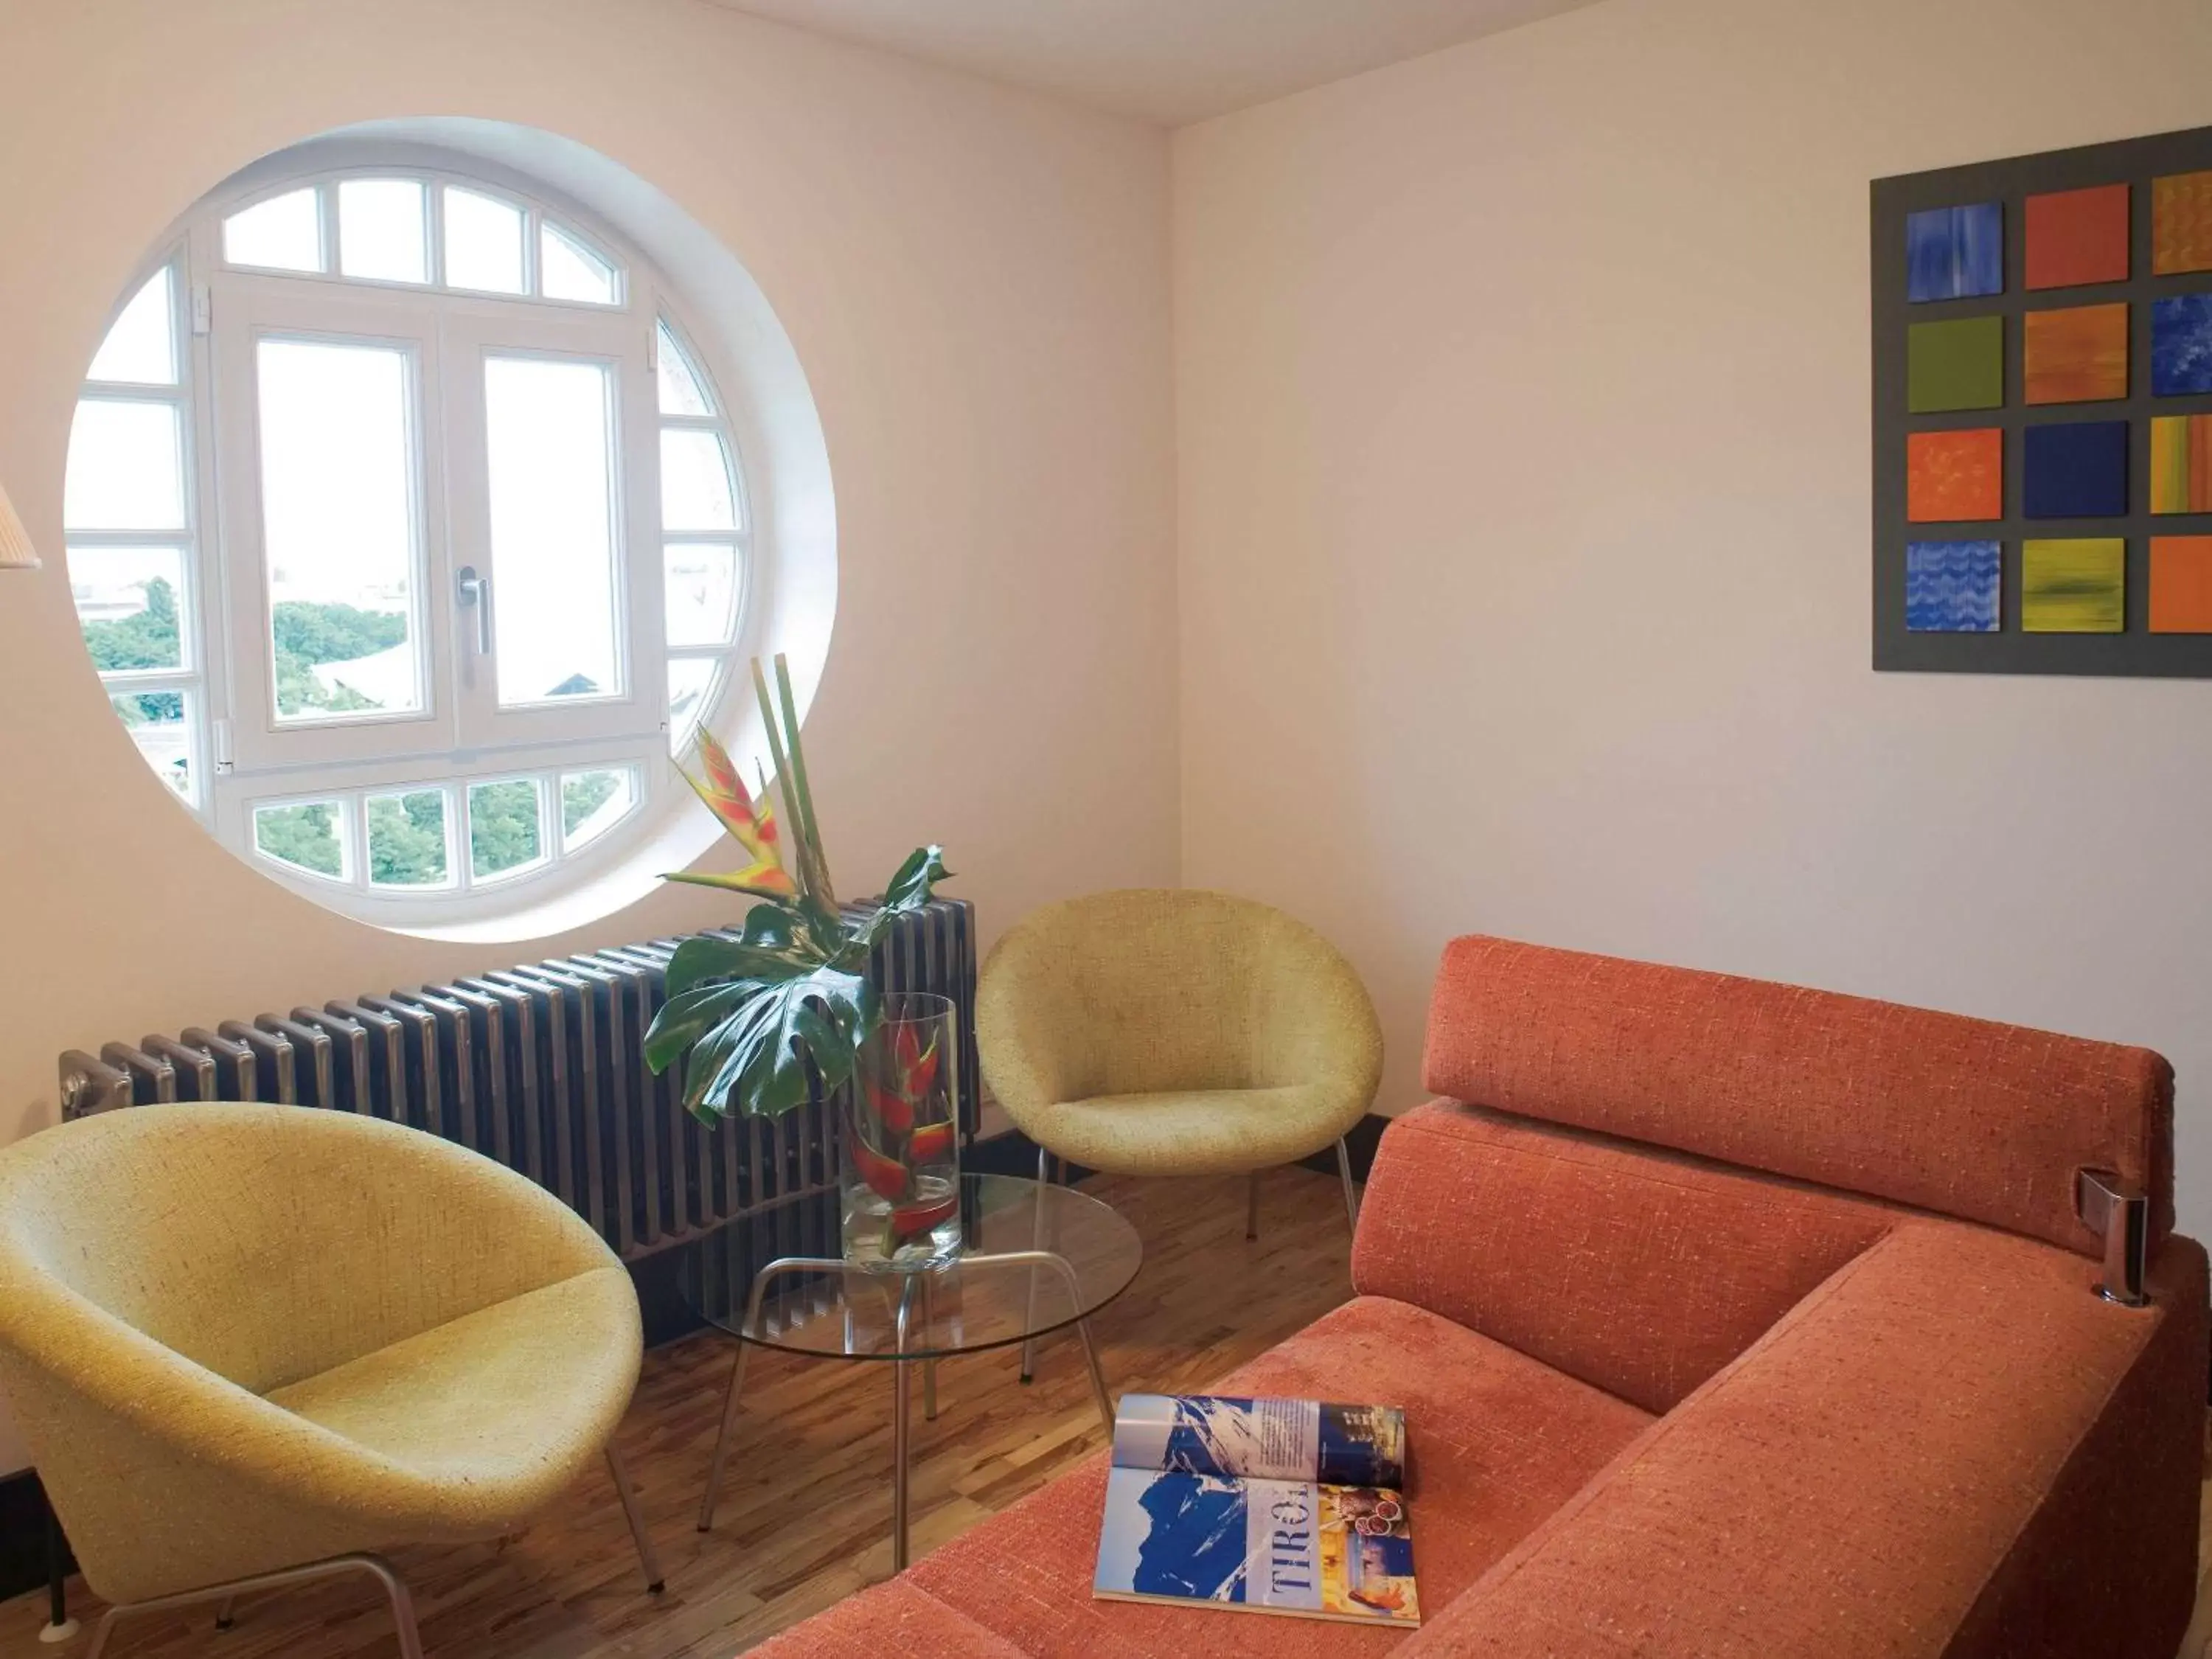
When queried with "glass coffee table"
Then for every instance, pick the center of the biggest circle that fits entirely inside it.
(1037, 1258)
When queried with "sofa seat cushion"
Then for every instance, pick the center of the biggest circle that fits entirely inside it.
(1499, 1442)
(503, 1407)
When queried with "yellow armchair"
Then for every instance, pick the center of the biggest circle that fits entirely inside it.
(248, 1344)
(1158, 1032)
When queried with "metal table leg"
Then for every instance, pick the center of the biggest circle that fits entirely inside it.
(1037, 1243)
(782, 1264)
(899, 1430)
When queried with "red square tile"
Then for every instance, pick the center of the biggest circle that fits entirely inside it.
(2078, 236)
(1954, 477)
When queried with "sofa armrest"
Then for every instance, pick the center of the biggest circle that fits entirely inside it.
(1952, 1447)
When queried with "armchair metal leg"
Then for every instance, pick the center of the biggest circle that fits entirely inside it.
(227, 1614)
(1350, 1196)
(1252, 1205)
(647, 1557)
(395, 1593)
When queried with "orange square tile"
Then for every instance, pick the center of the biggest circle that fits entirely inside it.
(1954, 477)
(2181, 584)
(2078, 355)
(2181, 223)
(2077, 236)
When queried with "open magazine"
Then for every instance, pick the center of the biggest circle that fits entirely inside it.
(1288, 1506)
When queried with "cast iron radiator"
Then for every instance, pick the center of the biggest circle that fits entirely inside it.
(542, 1068)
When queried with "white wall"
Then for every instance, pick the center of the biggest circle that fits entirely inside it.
(1524, 514)
(977, 283)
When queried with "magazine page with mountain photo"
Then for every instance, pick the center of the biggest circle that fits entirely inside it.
(1284, 1506)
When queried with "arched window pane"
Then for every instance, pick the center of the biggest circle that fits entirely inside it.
(700, 585)
(694, 482)
(284, 233)
(381, 233)
(483, 243)
(307, 836)
(126, 467)
(130, 604)
(592, 803)
(142, 347)
(506, 828)
(680, 391)
(567, 269)
(411, 839)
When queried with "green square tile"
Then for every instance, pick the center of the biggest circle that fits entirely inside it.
(2074, 587)
(1958, 364)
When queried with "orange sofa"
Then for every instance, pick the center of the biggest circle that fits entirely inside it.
(1729, 1319)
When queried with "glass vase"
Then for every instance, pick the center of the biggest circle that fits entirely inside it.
(899, 1144)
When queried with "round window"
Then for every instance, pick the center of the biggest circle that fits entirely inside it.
(409, 533)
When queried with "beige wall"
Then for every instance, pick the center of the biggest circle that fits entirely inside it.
(977, 283)
(1522, 404)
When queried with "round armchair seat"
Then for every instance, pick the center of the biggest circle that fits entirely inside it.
(1160, 1031)
(242, 1337)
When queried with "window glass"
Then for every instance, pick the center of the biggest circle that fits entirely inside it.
(307, 836)
(568, 270)
(694, 482)
(549, 432)
(140, 349)
(680, 391)
(162, 726)
(284, 233)
(700, 585)
(409, 839)
(506, 829)
(130, 605)
(592, 803)
(690, 684)
(337, 470)
(126, 467)
(483, 243)
(381, 234)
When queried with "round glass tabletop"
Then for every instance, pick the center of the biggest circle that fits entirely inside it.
(1034, 1258)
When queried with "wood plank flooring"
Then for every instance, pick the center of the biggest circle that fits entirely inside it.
(806, 1512)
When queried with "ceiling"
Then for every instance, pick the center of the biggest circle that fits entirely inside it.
(1169, 61)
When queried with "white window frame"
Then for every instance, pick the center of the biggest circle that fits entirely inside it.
(240, 759)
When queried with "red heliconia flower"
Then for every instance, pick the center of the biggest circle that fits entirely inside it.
(921, 1218)
(931, 1142)
(886, 1176)
(891, 1109)
(917, 1069)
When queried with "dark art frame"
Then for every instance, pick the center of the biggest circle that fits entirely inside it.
(2136, 652)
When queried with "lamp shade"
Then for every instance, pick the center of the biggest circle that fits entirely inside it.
(14, 541)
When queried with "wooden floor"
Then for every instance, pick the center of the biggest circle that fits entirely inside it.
(805, 1514)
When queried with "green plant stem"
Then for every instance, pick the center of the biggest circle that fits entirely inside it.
(810, 877)
(798, 776)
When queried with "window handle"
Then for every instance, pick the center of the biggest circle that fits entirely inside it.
(475, 591)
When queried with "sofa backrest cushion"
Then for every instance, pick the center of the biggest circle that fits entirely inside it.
(1637, 1271)
(1967, 1117)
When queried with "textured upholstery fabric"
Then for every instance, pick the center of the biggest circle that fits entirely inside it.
(1887, 1432)
(893, 1621)
(1171, 1032)
(1639, 1272)
(1500, 1442)
(1868, 1478)
(241, 1337)
(1964, 1116)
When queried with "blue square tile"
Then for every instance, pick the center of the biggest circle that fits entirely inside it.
(1955, 252)
(2181, 345)
(1952, 587)
(2079, 471)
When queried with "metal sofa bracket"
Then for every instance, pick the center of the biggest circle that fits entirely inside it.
(2120, 1211)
